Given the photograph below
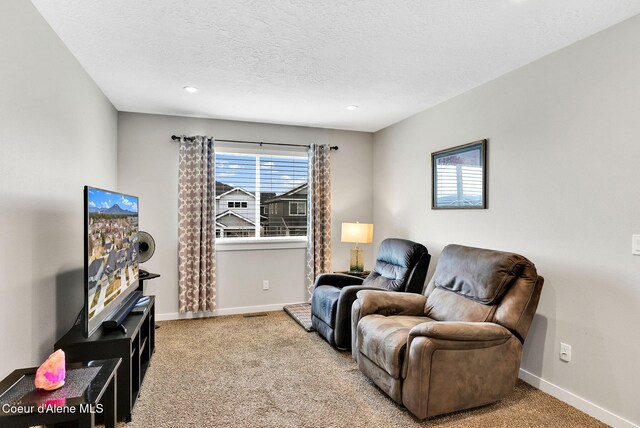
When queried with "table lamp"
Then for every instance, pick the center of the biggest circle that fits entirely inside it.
(360, 233)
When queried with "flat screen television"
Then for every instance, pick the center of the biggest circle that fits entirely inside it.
(111, 254)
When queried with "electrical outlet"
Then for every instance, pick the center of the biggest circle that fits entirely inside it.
(265, 284)
(565, 352)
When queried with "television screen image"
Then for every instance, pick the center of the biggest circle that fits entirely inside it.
(111, 247)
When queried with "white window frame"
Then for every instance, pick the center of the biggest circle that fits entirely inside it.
(260, 243)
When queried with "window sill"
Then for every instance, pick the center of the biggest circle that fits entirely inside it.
(248, 244)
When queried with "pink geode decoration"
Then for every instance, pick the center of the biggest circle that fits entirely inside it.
(51, 373)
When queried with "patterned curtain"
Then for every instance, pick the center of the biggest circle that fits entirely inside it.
(196, 205)
(319, 213)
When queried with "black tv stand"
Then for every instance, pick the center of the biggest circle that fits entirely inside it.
(135, 345)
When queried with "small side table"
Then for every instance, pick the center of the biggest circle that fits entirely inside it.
(362, 274)
(142, 279)
(30, 406)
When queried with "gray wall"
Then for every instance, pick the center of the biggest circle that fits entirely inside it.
(57, 133)
(563, 158)
(148, 168)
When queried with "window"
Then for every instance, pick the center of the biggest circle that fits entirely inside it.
(297, 208)
(236, 204)
(252, 186)
(459, 184)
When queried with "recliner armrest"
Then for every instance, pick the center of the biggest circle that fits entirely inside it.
(348, 295)
(338, 280)
(462, 331)
(450, 362)
(390, 303)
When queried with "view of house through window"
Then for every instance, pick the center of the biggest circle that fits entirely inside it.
(260, 196)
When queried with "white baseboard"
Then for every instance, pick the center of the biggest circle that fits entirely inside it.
(576, 401)
(224, 311)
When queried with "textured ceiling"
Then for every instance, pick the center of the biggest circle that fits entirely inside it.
(301, 62)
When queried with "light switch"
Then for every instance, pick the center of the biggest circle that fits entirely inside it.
(635, 245)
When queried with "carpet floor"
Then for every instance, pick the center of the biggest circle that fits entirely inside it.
(266, 371)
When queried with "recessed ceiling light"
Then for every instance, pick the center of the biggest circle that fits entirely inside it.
(191, 89)
(352, 107)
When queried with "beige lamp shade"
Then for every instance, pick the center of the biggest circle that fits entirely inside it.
(360, 233)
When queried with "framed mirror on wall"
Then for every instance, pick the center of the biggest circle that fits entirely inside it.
(459, 177)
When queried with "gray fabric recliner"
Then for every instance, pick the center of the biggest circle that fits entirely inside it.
(457, 346)
(401, 265)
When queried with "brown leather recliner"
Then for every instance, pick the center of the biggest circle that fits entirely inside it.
(457, 346)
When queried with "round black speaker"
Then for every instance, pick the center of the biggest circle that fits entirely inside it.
(146, 246)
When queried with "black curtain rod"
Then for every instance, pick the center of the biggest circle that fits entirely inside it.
(176, 138)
